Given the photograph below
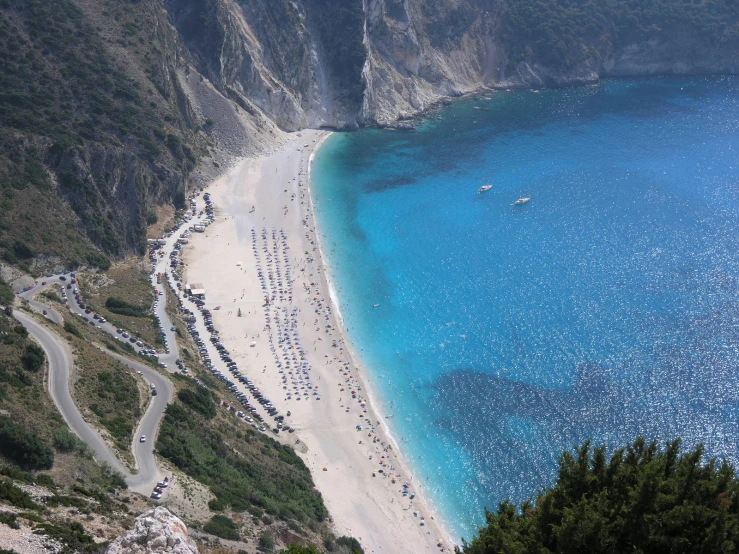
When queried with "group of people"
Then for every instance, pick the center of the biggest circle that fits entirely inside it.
(281, 318)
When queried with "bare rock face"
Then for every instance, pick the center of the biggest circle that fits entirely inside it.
(157, 530)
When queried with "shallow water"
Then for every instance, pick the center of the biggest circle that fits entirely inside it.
(604, 308)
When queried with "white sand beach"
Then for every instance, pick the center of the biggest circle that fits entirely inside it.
(264, 220)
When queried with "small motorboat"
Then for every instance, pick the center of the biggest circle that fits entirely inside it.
(521, 201)
(484, 188)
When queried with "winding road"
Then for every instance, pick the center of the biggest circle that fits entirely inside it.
(61, 361)
(59, 356)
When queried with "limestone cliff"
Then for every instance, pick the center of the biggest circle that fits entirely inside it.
(157, 530)
(420, 52)
(273, 54)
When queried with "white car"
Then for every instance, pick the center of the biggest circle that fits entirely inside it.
(143, 438)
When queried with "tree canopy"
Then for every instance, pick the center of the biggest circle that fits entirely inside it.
(643, 500)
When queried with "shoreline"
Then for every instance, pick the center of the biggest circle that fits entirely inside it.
(259, 194)
(363, 375)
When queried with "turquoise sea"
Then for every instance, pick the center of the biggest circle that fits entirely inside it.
(605, 308)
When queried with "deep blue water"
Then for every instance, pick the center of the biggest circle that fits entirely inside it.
(605, 308)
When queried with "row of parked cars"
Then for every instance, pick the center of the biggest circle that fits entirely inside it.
(62, 277)
(156, 494)
(249, 412)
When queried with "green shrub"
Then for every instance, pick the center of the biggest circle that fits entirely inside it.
(350, 545)
(199, 400)
(644, 499)
(297, 549)
(72, 535)
(267, 541)
(9, 520)
(96, 259)
(121, 307)
(15, 496)
(45, 480)
(33, 358)
(65, 440)
(6, 294)
(71, 328)
(22, 447)
(222, 526)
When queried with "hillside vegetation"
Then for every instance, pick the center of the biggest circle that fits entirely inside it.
(563, 33)
(643, 500)
(245, 470)
(76, 123)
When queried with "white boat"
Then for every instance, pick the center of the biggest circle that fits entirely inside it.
(484, 188)
(521, 201)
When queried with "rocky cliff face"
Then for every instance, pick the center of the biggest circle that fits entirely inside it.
(157, 530)
(420, 52)
(262, 54)
(162, 94)
(416, 52)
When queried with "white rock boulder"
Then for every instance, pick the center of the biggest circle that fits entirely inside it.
(155, 531)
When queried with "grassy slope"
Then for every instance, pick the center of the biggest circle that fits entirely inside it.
(130, 283)
(108, 393)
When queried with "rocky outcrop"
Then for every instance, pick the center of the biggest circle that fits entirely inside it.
(262, 55)
(157, 530)
(420, 52)
(110, 190)
(270, 56)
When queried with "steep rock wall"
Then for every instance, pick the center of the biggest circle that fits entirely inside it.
(278, 57)
(261, 53)
(421, 52)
